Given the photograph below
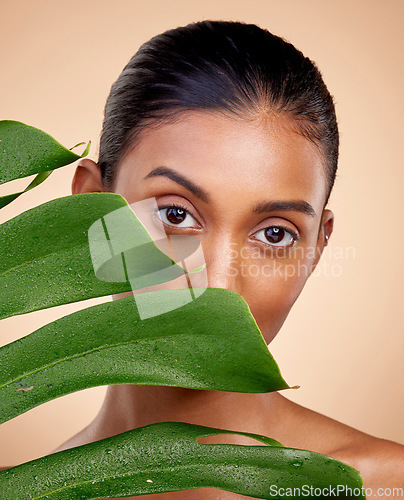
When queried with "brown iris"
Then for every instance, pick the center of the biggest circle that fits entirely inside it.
(176, 215)
(274, 234)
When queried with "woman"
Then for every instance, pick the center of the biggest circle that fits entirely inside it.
(233, 132)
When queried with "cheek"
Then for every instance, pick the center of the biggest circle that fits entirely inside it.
(271, 289)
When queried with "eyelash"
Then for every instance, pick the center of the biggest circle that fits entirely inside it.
(293, 234)
(172, 205)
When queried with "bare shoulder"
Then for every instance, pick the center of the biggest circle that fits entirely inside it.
(380, 461)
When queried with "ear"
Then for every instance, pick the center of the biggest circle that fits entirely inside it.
(87, 178)
(324, 234)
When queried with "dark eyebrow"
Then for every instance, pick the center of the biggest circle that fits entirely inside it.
(266, 206)
(179, 179)
(285, 206)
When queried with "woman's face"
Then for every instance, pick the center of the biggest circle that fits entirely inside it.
(252, 192)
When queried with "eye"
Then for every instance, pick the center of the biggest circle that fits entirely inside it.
(277, 236)
(175, 216)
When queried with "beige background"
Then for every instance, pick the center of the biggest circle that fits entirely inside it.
(343, 341)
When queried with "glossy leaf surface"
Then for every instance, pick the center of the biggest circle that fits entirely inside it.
(26, 150)
(167, 457)
(211, 342)
(5, 200)
(46, 260)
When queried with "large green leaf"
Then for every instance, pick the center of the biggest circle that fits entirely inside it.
(26, 150)
(167, 457)
(46, 259)
(197, 338)
(211, 342)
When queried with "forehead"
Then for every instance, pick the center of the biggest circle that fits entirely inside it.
(263, 156)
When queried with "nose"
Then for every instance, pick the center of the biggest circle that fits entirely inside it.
(222, 264)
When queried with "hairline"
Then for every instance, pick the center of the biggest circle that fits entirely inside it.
(132, 139)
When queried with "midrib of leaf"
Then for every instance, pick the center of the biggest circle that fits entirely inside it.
(90, 351)
(154, 470)
(42, 258)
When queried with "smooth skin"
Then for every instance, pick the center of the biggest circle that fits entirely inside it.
(237, 163)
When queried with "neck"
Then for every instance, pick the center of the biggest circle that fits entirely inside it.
(130, 406)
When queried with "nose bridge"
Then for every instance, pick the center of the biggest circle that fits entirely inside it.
(222, 256)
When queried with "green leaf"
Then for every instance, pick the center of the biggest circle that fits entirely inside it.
(205, 343)
(5, 200)
(46, 259)
(86, 151)
(167, 457)
(26, 150)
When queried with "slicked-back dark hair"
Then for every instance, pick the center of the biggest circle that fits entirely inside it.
(222, 66)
